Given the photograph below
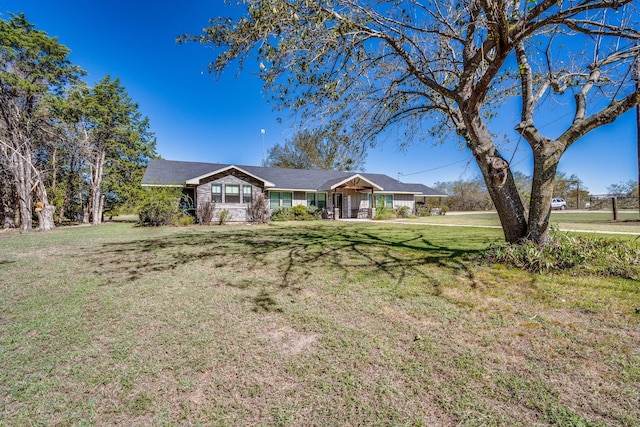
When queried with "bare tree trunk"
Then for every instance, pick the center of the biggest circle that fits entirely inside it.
(18, 155)
(22, 173)
(505, 197)
(544, 172)
(8, 198)
(498, 178)
(86, 209)
(46, 211)
(101, 210)
(16, 214)
(96, 196)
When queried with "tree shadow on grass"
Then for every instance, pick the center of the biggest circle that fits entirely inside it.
(289, 253)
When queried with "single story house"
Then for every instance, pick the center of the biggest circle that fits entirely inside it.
(232, 187)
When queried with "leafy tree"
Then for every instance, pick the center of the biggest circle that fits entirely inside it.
(425, 69)
(318, 149)
(624, 189)
(68, 151)
(33, 67)
(119, 147)
(470, 195)
(159, 206)
(523, 184)
(626, 192)
(572, 189)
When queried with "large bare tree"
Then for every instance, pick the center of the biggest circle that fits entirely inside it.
(32, 67)
(430, 68)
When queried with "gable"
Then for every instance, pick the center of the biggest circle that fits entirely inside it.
(353, 182)
(227, 170)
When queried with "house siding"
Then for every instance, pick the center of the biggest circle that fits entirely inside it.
(299, 198)
(400, 200)
(238, 210)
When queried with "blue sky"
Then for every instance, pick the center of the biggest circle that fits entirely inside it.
(196, 117)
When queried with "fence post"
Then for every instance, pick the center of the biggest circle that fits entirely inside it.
(614, 202)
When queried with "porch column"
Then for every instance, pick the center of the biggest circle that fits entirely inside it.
(372, 208)
(334, 204)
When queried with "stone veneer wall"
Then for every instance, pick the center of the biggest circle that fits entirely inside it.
(232, 176)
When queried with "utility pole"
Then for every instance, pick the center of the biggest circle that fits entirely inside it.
(262, 132)
(636, 76)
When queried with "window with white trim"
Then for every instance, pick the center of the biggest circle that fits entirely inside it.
(311, 199)
(247, 194)
(287, 199)
(384, 200)
(322, 201)
(319, 200)
(274, 199)
(232, 193)
(216, 193)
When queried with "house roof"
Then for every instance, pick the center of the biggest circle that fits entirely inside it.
(177, 173)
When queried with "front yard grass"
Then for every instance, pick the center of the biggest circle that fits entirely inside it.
(321, 323)
(627, 222)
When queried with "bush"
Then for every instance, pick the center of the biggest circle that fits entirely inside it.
(182, 220)
(301, 213)
(257, 211)
(589, 254)
(315, 212)
(384, 214)
(281, 214)
(205, 212)
(424, 211)
(223, 216)
(296, 213)
(403, 212)
(159, 206)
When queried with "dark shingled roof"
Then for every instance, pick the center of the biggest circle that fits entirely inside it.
(177, 173)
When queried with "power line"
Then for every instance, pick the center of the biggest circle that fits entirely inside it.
(469, 159)
(433, 169)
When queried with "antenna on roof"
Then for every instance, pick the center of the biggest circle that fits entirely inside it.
(262, 131)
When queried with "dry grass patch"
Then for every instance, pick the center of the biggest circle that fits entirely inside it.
(305, 324)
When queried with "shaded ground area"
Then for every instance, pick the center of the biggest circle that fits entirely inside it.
(313, 324)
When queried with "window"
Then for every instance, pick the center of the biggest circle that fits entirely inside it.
(287, 199)
(232, 193)
(319, 200)
(216, 193)
(384, 201)
(274, 200)
(322, 201)
(311, 199)
(247, 194)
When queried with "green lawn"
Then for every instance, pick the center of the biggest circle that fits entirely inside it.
(323, 323)
(628, 221)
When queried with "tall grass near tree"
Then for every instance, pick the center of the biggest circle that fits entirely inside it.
(320, 323)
